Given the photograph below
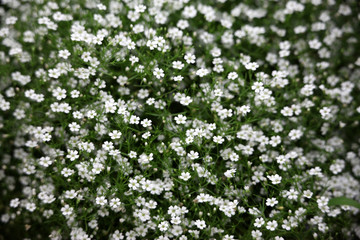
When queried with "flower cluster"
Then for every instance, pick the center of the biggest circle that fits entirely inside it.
(179, 119)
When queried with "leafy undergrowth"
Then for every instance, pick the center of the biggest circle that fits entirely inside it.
(179, 119)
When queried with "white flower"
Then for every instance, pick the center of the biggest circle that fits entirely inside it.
(177, 65)
(314, 44)
(295, 134)
(108, 145)
(189, 58)
(307, 194)
(200, 224)
(292, 194)
(243, 110)
(163, 226)
(185, 100)
(133, 184)
(140, 8)
(14, 203)
(102, 201)
(230, 173)
(146, 135)
(178, 78)
(251, 66)
(144, 159)
(115, 134)
(146, 123)
(322, 201)
(64, 54)
(132, 154)
(193, 155)
(287, 111)
(218, 139)
(134, 119)
(234, 157)
(45, 161)
(202, 72)
(101, 6)
(325, 113)
(74, 127)
(158, 73)
(72, 155)
(66, 172)
(275, 179)
(185, 176)
(75, 94)
(117, 235)
(59, 93)
(30, 206)
(70, 194)
(259, 222)
(180, 119)
(271, 202)
(144, 215)
(257, 87)
(54, 73)
(271, 225)
(67, 210)
(232, 76)
(189, 12)
(115, 203)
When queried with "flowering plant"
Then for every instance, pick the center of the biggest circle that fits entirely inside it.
(179, 119)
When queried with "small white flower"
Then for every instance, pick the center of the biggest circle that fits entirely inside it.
(200, 224)
(158, 73)
(115, 134)
(177, 65)
(185, 176)
(271, 225)
(295, 134)
(257, 87)
(202, 72)
(326, 113)
(185, 100)
(218, 139)
(67, 210)
(259, 222)
(180, 119)
(59, 93)
(307, 194)
(66, 172)
(72, 155)
(275, 179)
(64, 54)
(163, 226)
(230, 173)
(178, 78)
(146, 135)
(271, 202)
(146, 123)
(14, 203)
(102, 201)
(193, 155)
(74, 127)
(189, 58)
(251, 66)
(75, 94)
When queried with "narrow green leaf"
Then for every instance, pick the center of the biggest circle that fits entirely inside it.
(344, 201)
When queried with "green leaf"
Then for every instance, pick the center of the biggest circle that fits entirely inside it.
(344, 201)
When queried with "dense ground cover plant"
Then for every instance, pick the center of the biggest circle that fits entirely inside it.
(179, 119)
